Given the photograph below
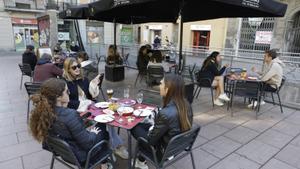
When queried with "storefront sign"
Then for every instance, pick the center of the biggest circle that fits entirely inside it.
(126, 36)
(63, 36)
(24, 21)
(155, 27)
(263, 37)
(201, 27)
(251, 3)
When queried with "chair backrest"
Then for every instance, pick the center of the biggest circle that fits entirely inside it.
(101, 79)
(189, 92)
(25, 69)
(155, 70)
(181, 142)
(32, 88)
(63, 149)
(126, 57)
(247, 88)
(282, 82)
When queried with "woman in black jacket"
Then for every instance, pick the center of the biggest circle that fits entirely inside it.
(210, 69)
(174, 118)
(142, 60)
(52, 117)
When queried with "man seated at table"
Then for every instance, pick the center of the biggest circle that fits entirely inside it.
(271, 74)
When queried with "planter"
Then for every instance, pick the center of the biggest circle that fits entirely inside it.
(114, 73)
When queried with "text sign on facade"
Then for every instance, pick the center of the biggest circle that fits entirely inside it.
(201, 27)
(155, 27)
(63, 36)
(263, 37)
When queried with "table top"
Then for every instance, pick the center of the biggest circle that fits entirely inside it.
(128, 121)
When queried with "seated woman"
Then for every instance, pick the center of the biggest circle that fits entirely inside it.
(51, 117)
(142, 60)
(210, 69)
(45, 69)
(113, 57)
(174, 118)
(90, 70)
(82, 92)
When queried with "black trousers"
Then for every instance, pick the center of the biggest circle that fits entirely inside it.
(269, 88)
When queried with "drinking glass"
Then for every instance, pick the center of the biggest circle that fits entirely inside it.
(110, 93)
(126, 93)
(139, 98)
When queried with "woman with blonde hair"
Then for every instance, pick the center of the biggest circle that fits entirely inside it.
(51, 117)
(82, 92)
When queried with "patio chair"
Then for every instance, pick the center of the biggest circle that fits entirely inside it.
(100, 85)
(62, 152)
(99, 58)
(125, 59)
(247, 89)
(31, 89)
(277, 93)
(179, 147)
(204, 83)
(141, 76)
(154, 74)
(26, 71)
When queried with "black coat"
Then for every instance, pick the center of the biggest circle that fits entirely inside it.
(166, 125)
(29, 58)
(142, 63)
(210, 72)
(70, 127)
(73, 88)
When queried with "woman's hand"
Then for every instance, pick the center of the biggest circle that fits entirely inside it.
(95, 130)
(226, 65)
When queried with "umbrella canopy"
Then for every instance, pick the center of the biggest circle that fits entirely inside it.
(76, 12)
(135, 11)
(194, 10)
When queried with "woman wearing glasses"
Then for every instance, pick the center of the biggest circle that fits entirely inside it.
(82, 92)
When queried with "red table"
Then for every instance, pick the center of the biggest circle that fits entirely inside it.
(127, 125)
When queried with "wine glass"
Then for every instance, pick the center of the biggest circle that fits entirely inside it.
(110, 93)
(139, 98)
(126, 92)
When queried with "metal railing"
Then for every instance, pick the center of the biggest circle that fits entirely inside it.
(38, 5)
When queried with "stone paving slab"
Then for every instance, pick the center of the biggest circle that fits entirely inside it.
(224, 142)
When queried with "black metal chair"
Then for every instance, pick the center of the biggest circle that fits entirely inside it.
(26, 71)
(154, 74)
(125, 59)
(100, 85)
(178, 147)
(247, 89)
(204, 83)
(62, 152)
(277, 93)
(31, 89)
(141, 76)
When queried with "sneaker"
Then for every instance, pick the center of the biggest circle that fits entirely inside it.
(250, 105)
(218, 102)
(106, 166)
(255, 104)
(139, 164)
(121, 152)
(262, 102)
(224, 97)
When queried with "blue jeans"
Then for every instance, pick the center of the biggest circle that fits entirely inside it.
(114, 139)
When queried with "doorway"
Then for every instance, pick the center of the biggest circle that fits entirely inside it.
(201, 39)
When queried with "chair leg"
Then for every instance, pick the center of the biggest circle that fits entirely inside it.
(281, 109)
(102, 94)
(212, 96)
(112, 161)
(52, 162)
(244, 100)
(193, 161)
(273, 98)
(136, 79)
(198, 92)
(28, 104)
(21, 82)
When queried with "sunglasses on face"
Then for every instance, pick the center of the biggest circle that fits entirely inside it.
(75, 67)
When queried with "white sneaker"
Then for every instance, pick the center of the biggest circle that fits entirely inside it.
(250, 105)
(218, 102)
(255, 104)
(121, 152)
(139, 164)
(224, 97)
(262, 102)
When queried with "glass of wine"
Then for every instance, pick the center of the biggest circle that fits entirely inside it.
(139, 98)
(110, 93)
(126, 92)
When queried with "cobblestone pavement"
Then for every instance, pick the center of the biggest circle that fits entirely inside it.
(224, 142)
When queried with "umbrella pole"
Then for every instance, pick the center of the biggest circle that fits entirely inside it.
(115, 34)
(180, 44)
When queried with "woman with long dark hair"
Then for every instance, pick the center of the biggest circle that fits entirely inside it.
(210, 69)
(51, 117)
(142, 59)
(174, 118)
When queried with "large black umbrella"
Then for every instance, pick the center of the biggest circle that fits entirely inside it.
(142, 11)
